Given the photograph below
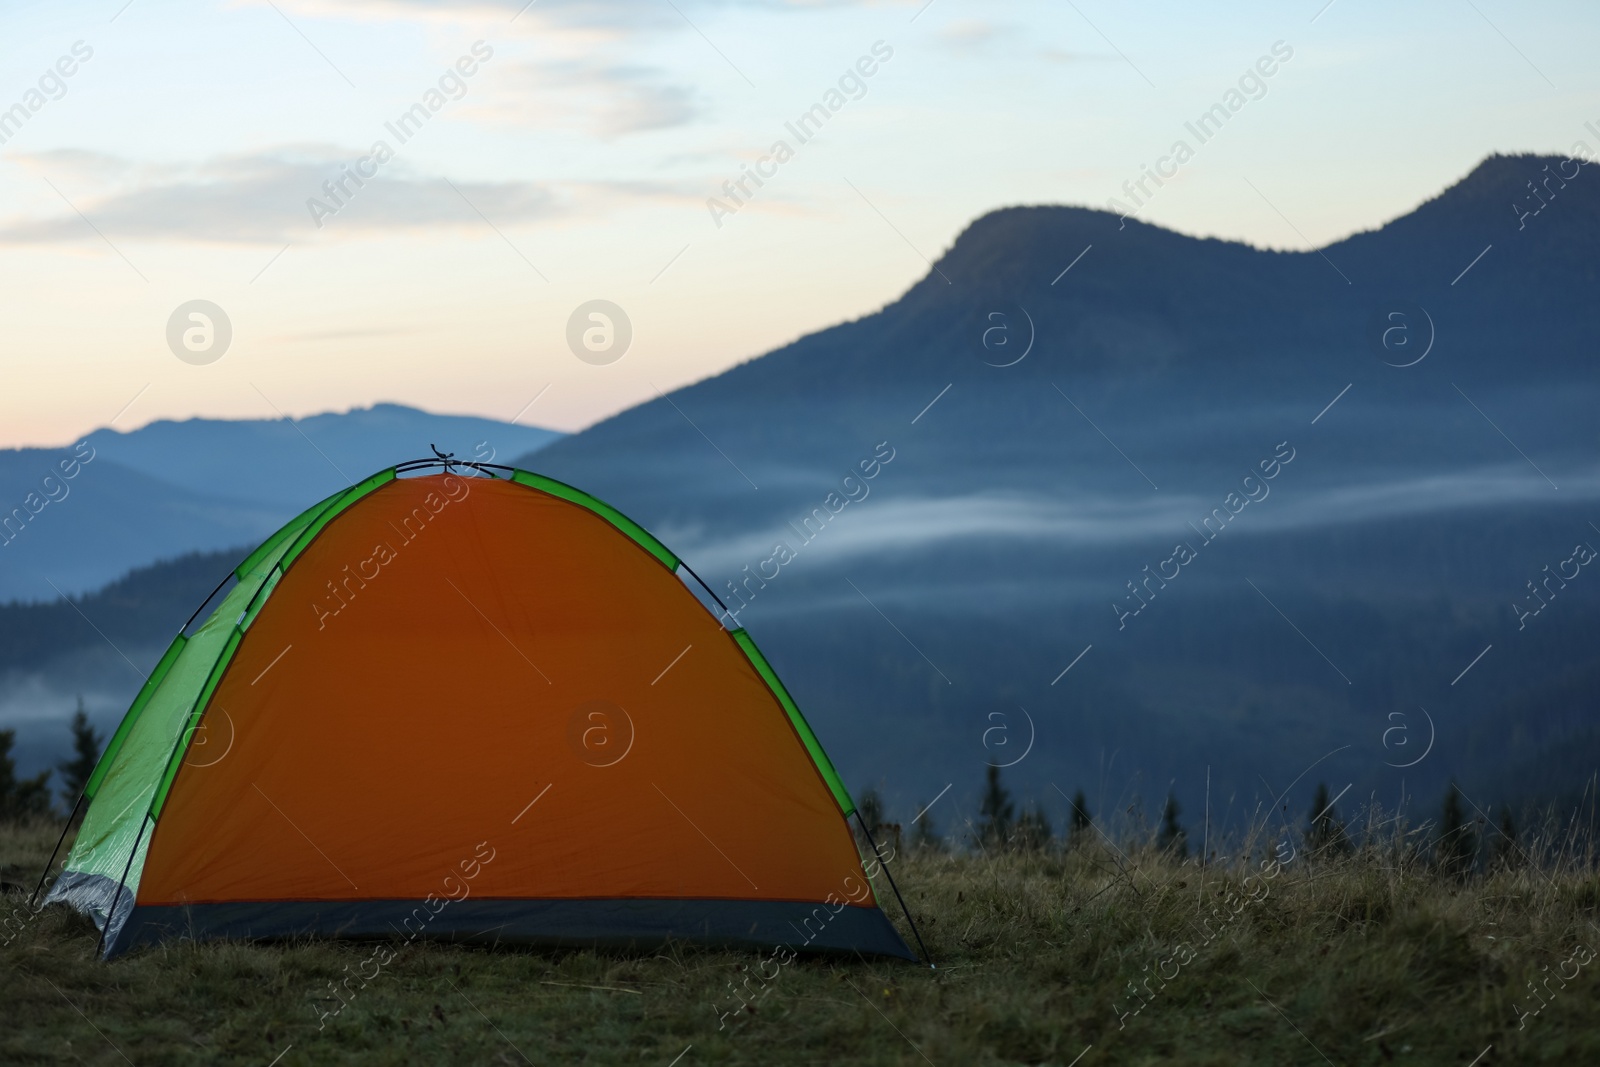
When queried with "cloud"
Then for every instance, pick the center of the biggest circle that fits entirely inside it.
(265, 198)
(1058, 55)
(907, 524)
(77, 162)
(609, 17)
(911, 523)
(974, 36)
(968, 33)
(608, 99)
(612, 17)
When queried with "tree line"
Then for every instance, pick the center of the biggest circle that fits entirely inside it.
(1455, 844)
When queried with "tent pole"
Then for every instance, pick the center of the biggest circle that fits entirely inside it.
(206, 601)
(417, 464)
(885, 863)
(52, 862)
(712, 593)
(116, 897)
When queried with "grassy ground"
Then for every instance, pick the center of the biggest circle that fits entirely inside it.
(1368, 960)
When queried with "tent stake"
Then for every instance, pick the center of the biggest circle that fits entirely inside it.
(46, 873)
(116, 897)
(885, 864)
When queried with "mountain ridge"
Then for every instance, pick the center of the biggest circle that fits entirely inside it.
(202, 484)
(1163, 366)
(1013, 257)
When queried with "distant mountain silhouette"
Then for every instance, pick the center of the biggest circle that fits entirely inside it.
(1003, 538)
(202, 484)
(295, 464)
(147, 604)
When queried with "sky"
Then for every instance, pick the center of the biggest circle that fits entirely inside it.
(585, 158)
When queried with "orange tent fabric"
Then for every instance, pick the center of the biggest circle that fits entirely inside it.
(480, 697)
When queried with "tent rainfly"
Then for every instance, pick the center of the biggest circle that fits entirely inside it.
(469, 704)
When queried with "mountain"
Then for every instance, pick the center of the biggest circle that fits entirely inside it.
(148, 604)
(1070, 400)
(301, 462)
(202, 485)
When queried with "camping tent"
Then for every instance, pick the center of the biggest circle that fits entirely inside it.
(480, 706)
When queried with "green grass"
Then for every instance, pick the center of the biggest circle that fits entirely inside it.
(1371, 959)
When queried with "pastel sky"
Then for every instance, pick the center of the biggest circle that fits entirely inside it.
(177, 160)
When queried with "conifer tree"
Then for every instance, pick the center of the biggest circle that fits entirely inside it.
(871, 808)
(1033, 832)
(1457, 846)
(1171, 837)
(24, 797)
(1081, 822)
(1327, 834)
(86, 746)
(996, 811)
(926, 836)
(1507, 849)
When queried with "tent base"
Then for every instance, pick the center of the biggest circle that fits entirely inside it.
(92, 895)
(626, 923)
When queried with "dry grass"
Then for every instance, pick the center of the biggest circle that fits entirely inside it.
(1367, 959)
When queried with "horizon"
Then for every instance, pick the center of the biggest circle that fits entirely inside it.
(202, 417)
(352, 407)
